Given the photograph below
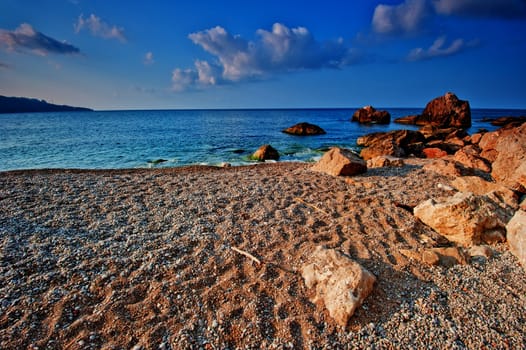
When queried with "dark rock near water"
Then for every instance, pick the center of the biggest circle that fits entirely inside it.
(265, 152)
(397, 143)
(304, 129)
(503, 121)
(369, 115)
(444, 111)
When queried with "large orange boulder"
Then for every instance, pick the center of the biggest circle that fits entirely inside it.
(509, 167)
(265, 152)
(340, 162)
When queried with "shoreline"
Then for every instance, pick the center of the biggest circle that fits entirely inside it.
(143, 258)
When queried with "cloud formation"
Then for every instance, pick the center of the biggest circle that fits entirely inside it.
(410, 16)
(438, 49)
(406, 17)
(99, 28)
(148, 58)
(26, 38)
(482, 8)
(280, 50)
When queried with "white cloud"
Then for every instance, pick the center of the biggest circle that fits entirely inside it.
(437, 49)
(148, 58)
(27, 38)
(99, 28)
(280, 50)
(481, 8)
(406, 17)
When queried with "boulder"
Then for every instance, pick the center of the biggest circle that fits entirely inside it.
(432, 132)
(480, 187)
(469, 159)
(304, 129)
(465, 218)
(450, 145)
(475, 138)
(488, 142)
(384, 161)
(447, 167)
(446, 257)
(265, 152)
(397, 143)
(509, 167)
(340, 162)
(480, 251)
(447, 111)
(516, 234)
(369, 115)
(433, 152)
(339, 282)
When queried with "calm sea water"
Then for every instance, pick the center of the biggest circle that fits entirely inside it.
(136, 139)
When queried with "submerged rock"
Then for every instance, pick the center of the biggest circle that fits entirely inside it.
(304, 129)
(339, 282)
(340, 162)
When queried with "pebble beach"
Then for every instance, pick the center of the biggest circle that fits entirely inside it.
(150, 259)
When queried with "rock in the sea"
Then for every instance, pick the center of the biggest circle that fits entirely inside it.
(516, 234)
(408, 120)
(385, 161)
(479, 186)
(465, 218)
(369, 115)
(339, 282)
(397, 143)
(444, 111)
(433, 152)
(509, 167)
(340, 162)
(503, 121)
(304, 129)
(447, 111)
(265, 152)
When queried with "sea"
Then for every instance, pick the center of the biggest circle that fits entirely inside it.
(174, 138)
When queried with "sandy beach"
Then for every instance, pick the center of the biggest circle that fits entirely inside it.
(143, 259)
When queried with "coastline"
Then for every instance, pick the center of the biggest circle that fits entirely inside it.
(142, 258)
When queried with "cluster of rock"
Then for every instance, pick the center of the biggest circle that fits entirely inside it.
(489, 170)
(369, 115)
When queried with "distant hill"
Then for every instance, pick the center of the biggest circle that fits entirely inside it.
(30, 105)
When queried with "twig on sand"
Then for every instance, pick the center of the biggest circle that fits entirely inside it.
(248, 255)
(311, 205)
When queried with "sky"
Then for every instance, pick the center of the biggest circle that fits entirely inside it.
(114, 54)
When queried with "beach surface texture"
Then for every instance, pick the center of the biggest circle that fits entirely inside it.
(154, 259)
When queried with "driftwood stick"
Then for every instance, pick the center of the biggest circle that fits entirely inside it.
(311, 205)
(248, 255)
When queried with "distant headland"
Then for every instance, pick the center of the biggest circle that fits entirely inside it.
(32, 105)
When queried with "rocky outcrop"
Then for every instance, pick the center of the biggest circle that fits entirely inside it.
(338, 282)
(516, 231)
(479, 186)
(304, 129)
(470, 159)
(444, 111)
(505, 121)
(369, 115)
(488, 143)
(465, 218)
(385, 161)
(397, 143)
(509, 167)
(433, 152)
(447, 257)
(340, 162)
(265, 152)
(447, 167)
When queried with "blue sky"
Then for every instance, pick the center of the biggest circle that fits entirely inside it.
(112, 54)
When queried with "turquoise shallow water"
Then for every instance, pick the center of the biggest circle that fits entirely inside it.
(134, 139)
